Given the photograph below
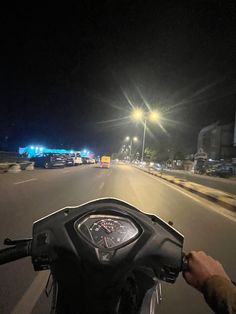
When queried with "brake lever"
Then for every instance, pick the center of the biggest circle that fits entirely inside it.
(8, 241)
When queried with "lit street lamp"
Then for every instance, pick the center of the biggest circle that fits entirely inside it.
(134, 139)
(139, 115)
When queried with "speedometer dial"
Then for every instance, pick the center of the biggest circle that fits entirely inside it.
(106, 231)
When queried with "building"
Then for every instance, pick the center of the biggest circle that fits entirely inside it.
(218, 141)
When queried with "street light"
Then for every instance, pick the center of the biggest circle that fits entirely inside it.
(154, 116)
(134, 139)
(139, 115)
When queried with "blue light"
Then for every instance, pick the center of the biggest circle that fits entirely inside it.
(36, 147)
(71, 152)
(31, 147)
(85, 151)
(41, 148)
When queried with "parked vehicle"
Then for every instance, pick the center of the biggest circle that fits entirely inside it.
(69, 160)
(199, 166)
(77, 158)
(222, 171)
(49, 160)
(91, 160)
(84, 160)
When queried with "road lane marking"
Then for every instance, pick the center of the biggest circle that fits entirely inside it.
(19, 182)
(204, 202)
(101, 186)
(32, 294)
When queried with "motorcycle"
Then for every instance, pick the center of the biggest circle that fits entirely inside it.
(105, 257)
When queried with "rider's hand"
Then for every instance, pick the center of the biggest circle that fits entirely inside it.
(201, 268)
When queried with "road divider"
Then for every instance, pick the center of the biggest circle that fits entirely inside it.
(224, 199)
(16, 167)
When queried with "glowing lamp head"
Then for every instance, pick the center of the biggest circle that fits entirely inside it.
(154, 116)
(137, 114)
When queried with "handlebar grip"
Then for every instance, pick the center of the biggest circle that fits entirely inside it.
(16, 252)
(184, 266)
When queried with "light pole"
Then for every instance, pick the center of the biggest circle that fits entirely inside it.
(144, 137)
(140, 115)
(134, 139)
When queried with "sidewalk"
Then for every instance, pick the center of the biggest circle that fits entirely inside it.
(185, 172)
(222, 184)
(227, 200)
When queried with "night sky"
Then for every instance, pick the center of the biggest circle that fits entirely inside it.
(69, 73)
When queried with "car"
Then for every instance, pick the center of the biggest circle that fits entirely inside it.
(88, 160)
(85, 160)
(69, 160)
(222, 171)
(157, 167)
(49, 160)
(92, 161)
(77, 158)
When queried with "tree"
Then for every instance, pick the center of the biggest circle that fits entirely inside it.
(150, 154)
(179, 155)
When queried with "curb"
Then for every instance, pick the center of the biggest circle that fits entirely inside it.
(16, 167)
(225, 199)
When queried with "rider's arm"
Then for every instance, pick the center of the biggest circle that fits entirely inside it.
(208, 276)
(220, 294)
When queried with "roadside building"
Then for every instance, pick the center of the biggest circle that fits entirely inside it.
(217, 141)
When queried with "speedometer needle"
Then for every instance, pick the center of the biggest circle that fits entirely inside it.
(106, 229)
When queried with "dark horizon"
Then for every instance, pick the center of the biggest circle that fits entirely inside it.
(69, 73)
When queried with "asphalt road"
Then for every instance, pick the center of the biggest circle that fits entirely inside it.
(27, 196)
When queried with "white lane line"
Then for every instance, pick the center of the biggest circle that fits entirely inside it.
(204, 202)
(32, 294)
(19, 182)
(101, 186)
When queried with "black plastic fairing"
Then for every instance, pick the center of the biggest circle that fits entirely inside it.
(157, 244)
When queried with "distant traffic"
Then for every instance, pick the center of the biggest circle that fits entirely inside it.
(50, 158)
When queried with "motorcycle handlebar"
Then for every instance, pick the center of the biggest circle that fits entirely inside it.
(184, 266)
(16, 252)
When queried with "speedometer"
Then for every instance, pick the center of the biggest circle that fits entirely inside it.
(106, 231)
